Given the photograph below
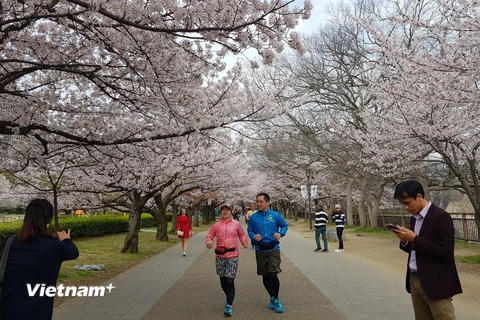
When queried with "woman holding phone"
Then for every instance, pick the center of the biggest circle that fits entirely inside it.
(35, 257)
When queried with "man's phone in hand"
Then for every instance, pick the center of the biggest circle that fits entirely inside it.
(392, 226)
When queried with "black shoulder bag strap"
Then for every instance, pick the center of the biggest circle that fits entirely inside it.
(3, 262)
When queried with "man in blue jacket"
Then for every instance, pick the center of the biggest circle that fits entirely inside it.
(265, 228)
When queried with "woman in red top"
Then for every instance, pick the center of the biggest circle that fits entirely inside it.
(184, 225)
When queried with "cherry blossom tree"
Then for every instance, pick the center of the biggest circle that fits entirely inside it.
(14, 194)
(331, 76)
(334, 75)
(112, 72)
(428, 94)
(157, 171)
(104, 73)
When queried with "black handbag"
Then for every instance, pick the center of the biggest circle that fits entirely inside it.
(3, 267)
(222, 250)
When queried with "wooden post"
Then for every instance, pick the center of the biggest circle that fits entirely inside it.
(383, 219)
(465, 229)
(403, 220)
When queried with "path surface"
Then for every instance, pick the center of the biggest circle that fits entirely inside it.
(312, 285)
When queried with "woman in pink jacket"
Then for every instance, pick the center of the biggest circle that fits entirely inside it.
(226, 262)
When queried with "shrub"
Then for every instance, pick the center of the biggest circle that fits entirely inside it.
(11, 210)
(83, 227)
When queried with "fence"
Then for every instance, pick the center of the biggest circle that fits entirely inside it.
(10, 217)
(464, 224)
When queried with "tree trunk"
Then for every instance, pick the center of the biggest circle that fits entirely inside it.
(162, 223)
(369, 205)
(361, 213)
(195, 216)
(289, 210)
(208, 212)
(374, 214)
(472, 190)
(205, 214)
(349, 202)
(477, 219)
(361, 203)
(55, 207)
(134, 220)
(295, 211)
(212, 213)
(174, 216)
(376, 205)
(162, 226)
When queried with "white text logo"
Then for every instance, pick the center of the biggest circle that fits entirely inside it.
(68, 291)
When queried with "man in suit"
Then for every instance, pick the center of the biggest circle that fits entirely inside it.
(432, 278)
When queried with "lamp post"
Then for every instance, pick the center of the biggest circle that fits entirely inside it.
(309, 199)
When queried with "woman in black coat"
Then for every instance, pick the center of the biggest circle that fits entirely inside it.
(36, 256)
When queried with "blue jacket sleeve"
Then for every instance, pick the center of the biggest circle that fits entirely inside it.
(250, 230)
(282, 224)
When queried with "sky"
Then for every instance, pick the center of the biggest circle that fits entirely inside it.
(319, 16)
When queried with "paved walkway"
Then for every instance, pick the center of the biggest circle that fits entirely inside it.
(312, 285)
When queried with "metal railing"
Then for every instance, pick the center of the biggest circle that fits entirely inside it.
(464, 224)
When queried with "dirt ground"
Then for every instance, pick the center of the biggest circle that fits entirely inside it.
(382, 251)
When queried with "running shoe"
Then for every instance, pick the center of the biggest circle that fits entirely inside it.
(228, 311)
(278, 306)
(272, 303)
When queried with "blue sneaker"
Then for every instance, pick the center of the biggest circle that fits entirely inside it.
(278, 306)
(272, 303)
(228, 311)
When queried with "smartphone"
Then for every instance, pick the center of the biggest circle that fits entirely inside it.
(391, 226)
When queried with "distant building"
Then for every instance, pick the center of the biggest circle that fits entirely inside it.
(460, 206)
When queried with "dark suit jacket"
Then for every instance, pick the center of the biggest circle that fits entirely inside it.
(434, 248)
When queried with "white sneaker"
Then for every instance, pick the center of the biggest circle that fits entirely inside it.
(338, 250)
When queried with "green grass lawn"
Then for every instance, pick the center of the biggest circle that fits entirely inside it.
(377, 231)
(106, 250)
(474, 248)
(475, 259)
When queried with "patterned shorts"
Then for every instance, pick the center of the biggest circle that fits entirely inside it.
(226, 267)
(268, 261)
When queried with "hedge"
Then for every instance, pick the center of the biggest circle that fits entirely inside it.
(12, 210)
(81, 227)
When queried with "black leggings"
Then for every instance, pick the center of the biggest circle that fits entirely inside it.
(340, 237)
(272, 284)
(228, 287)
